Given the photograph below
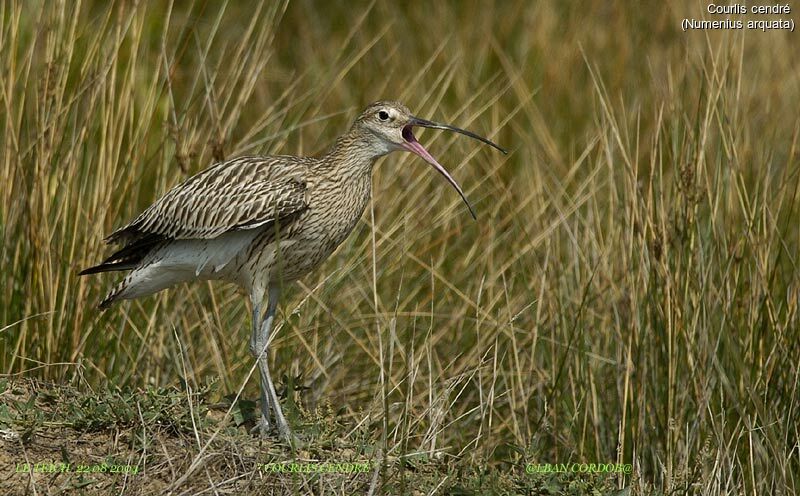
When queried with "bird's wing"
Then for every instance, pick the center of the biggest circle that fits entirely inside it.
(243, 193)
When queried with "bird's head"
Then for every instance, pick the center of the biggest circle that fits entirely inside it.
(389, 126)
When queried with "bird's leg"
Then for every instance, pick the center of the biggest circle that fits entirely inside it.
(267, 387)
(263, 423)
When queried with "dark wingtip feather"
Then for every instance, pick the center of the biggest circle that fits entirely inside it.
(127, 257)
(90, 270)
(108, 267)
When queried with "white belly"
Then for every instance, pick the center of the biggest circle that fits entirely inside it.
(185, 260)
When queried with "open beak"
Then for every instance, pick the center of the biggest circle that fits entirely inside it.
(411, 144)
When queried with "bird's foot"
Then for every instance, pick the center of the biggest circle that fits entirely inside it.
(261, 428)
(286, 434)
(282, 425)
(291, 439)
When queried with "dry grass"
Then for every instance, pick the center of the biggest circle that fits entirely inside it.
(629, 293)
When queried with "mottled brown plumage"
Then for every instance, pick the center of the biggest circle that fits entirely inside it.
(261, 222)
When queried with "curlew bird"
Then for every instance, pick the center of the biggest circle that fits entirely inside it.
(260, 222)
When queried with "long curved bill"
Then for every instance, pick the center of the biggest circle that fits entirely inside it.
(411, 144)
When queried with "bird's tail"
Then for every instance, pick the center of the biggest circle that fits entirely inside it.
(112, 296)
(109, 267)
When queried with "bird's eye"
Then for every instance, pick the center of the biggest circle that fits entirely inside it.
(383, 115)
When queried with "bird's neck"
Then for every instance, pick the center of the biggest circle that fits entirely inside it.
(351, 156)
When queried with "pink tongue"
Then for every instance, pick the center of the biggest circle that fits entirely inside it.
(415, 146)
